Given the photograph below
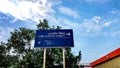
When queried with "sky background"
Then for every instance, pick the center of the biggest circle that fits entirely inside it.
(96, 23)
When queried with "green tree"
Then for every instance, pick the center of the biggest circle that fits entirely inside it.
(5, 59)
(2, 54)
(20, 40)
(19, 44)
(43, 25)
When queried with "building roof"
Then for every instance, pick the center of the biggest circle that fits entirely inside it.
(107, 57)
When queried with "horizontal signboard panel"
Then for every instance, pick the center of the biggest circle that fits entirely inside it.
(54, 38)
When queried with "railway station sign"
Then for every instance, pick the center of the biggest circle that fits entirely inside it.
(54, 38)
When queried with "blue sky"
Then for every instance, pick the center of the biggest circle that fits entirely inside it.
(96, 23)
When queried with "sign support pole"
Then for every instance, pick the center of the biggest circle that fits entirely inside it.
(44, 60)
(63, 57)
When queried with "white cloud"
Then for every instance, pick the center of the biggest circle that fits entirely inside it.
(93, 26)
(116, 33)
(27, 9)
(115, 11)
(96, 19)
(107, 23)
(69, 11)
(5, 33)
(70, 23)
(65, 23)
(32, 44)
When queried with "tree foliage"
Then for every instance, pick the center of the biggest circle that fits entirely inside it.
(18, 53)
(20, 39)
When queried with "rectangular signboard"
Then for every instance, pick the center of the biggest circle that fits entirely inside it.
(54, 38)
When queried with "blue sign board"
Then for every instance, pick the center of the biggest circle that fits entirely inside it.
(54, 38)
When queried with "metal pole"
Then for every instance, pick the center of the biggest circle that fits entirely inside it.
(44, 60)
(63, 57)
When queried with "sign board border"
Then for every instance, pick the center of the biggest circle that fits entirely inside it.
(56, 46)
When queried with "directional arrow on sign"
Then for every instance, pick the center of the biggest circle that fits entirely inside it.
(68, 34)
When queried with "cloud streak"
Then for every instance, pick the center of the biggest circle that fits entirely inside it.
(115, 12)
(68, 11)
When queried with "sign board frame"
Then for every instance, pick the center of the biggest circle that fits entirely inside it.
(54, 38)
